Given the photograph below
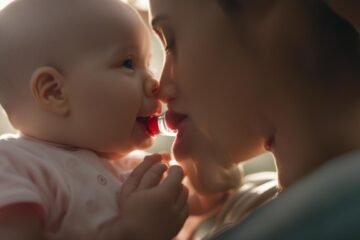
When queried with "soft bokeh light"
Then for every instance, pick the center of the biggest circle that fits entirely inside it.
(4, 3)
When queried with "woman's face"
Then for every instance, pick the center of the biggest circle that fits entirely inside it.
(222, 74)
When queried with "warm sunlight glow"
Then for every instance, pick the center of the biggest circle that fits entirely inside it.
(142, 4)
(4, 3)
(139, 4)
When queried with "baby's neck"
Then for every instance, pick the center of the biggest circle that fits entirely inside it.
(49, 142)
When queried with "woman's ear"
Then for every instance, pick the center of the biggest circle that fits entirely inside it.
(48, 89)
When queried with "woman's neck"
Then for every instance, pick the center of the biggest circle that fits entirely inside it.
(309, 138)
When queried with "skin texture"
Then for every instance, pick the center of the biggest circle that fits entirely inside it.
(61, 75)
(260, 76)
(81, 80)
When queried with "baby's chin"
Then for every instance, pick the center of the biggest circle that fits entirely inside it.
(148, 142)
(111, 155)
(118, 154)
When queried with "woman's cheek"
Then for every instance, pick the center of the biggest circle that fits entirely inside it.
(204, 167)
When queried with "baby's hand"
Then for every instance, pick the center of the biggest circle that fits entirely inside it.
(152, 208)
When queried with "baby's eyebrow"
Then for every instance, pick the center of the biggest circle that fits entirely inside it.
(115, 52)
(120, 48)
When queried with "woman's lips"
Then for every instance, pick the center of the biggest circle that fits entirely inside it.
(174, 119)
(269, 144)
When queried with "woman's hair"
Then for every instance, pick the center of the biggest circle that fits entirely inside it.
(337, 39)
(229, 6)
(334, 40)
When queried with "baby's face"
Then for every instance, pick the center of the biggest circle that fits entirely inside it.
(106, 80)
(93, 55)
(110, 88)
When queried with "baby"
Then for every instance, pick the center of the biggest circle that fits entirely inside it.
(75, 82)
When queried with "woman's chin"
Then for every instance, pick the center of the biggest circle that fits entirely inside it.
(221, 179)
(182, 147)
(180, 152)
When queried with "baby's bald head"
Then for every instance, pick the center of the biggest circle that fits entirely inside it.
(53, 33)
(56, 33)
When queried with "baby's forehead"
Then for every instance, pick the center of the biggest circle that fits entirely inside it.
(68, 14)
(50, 25)
(60, 33)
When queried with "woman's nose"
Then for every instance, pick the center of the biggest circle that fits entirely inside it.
(168, 89)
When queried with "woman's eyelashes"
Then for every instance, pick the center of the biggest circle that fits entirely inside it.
(169, 44)
(167, 41)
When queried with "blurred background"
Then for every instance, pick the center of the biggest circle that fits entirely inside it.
(163, 143)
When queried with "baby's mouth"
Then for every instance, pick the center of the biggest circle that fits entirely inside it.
(144, 121)
(155, 124)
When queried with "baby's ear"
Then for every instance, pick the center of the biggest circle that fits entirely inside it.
(47, 87)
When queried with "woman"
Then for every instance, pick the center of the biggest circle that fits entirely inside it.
(244, 77)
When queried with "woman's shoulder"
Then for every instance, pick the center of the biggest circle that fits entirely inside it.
(257, 189)
(323, 205)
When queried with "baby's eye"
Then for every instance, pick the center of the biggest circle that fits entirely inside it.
(128, 63)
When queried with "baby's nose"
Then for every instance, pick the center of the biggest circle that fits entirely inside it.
(151, 87)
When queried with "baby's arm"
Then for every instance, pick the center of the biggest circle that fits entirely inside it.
(21, 222)
(150, 208)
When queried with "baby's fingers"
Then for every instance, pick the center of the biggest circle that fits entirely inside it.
(166, 157)
(152, 177)
(184, 214)
(182, 199)
(172, 183)
(132, 183)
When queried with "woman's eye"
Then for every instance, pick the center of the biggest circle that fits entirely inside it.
(128, 63)
(170, 46)
(169, 42)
